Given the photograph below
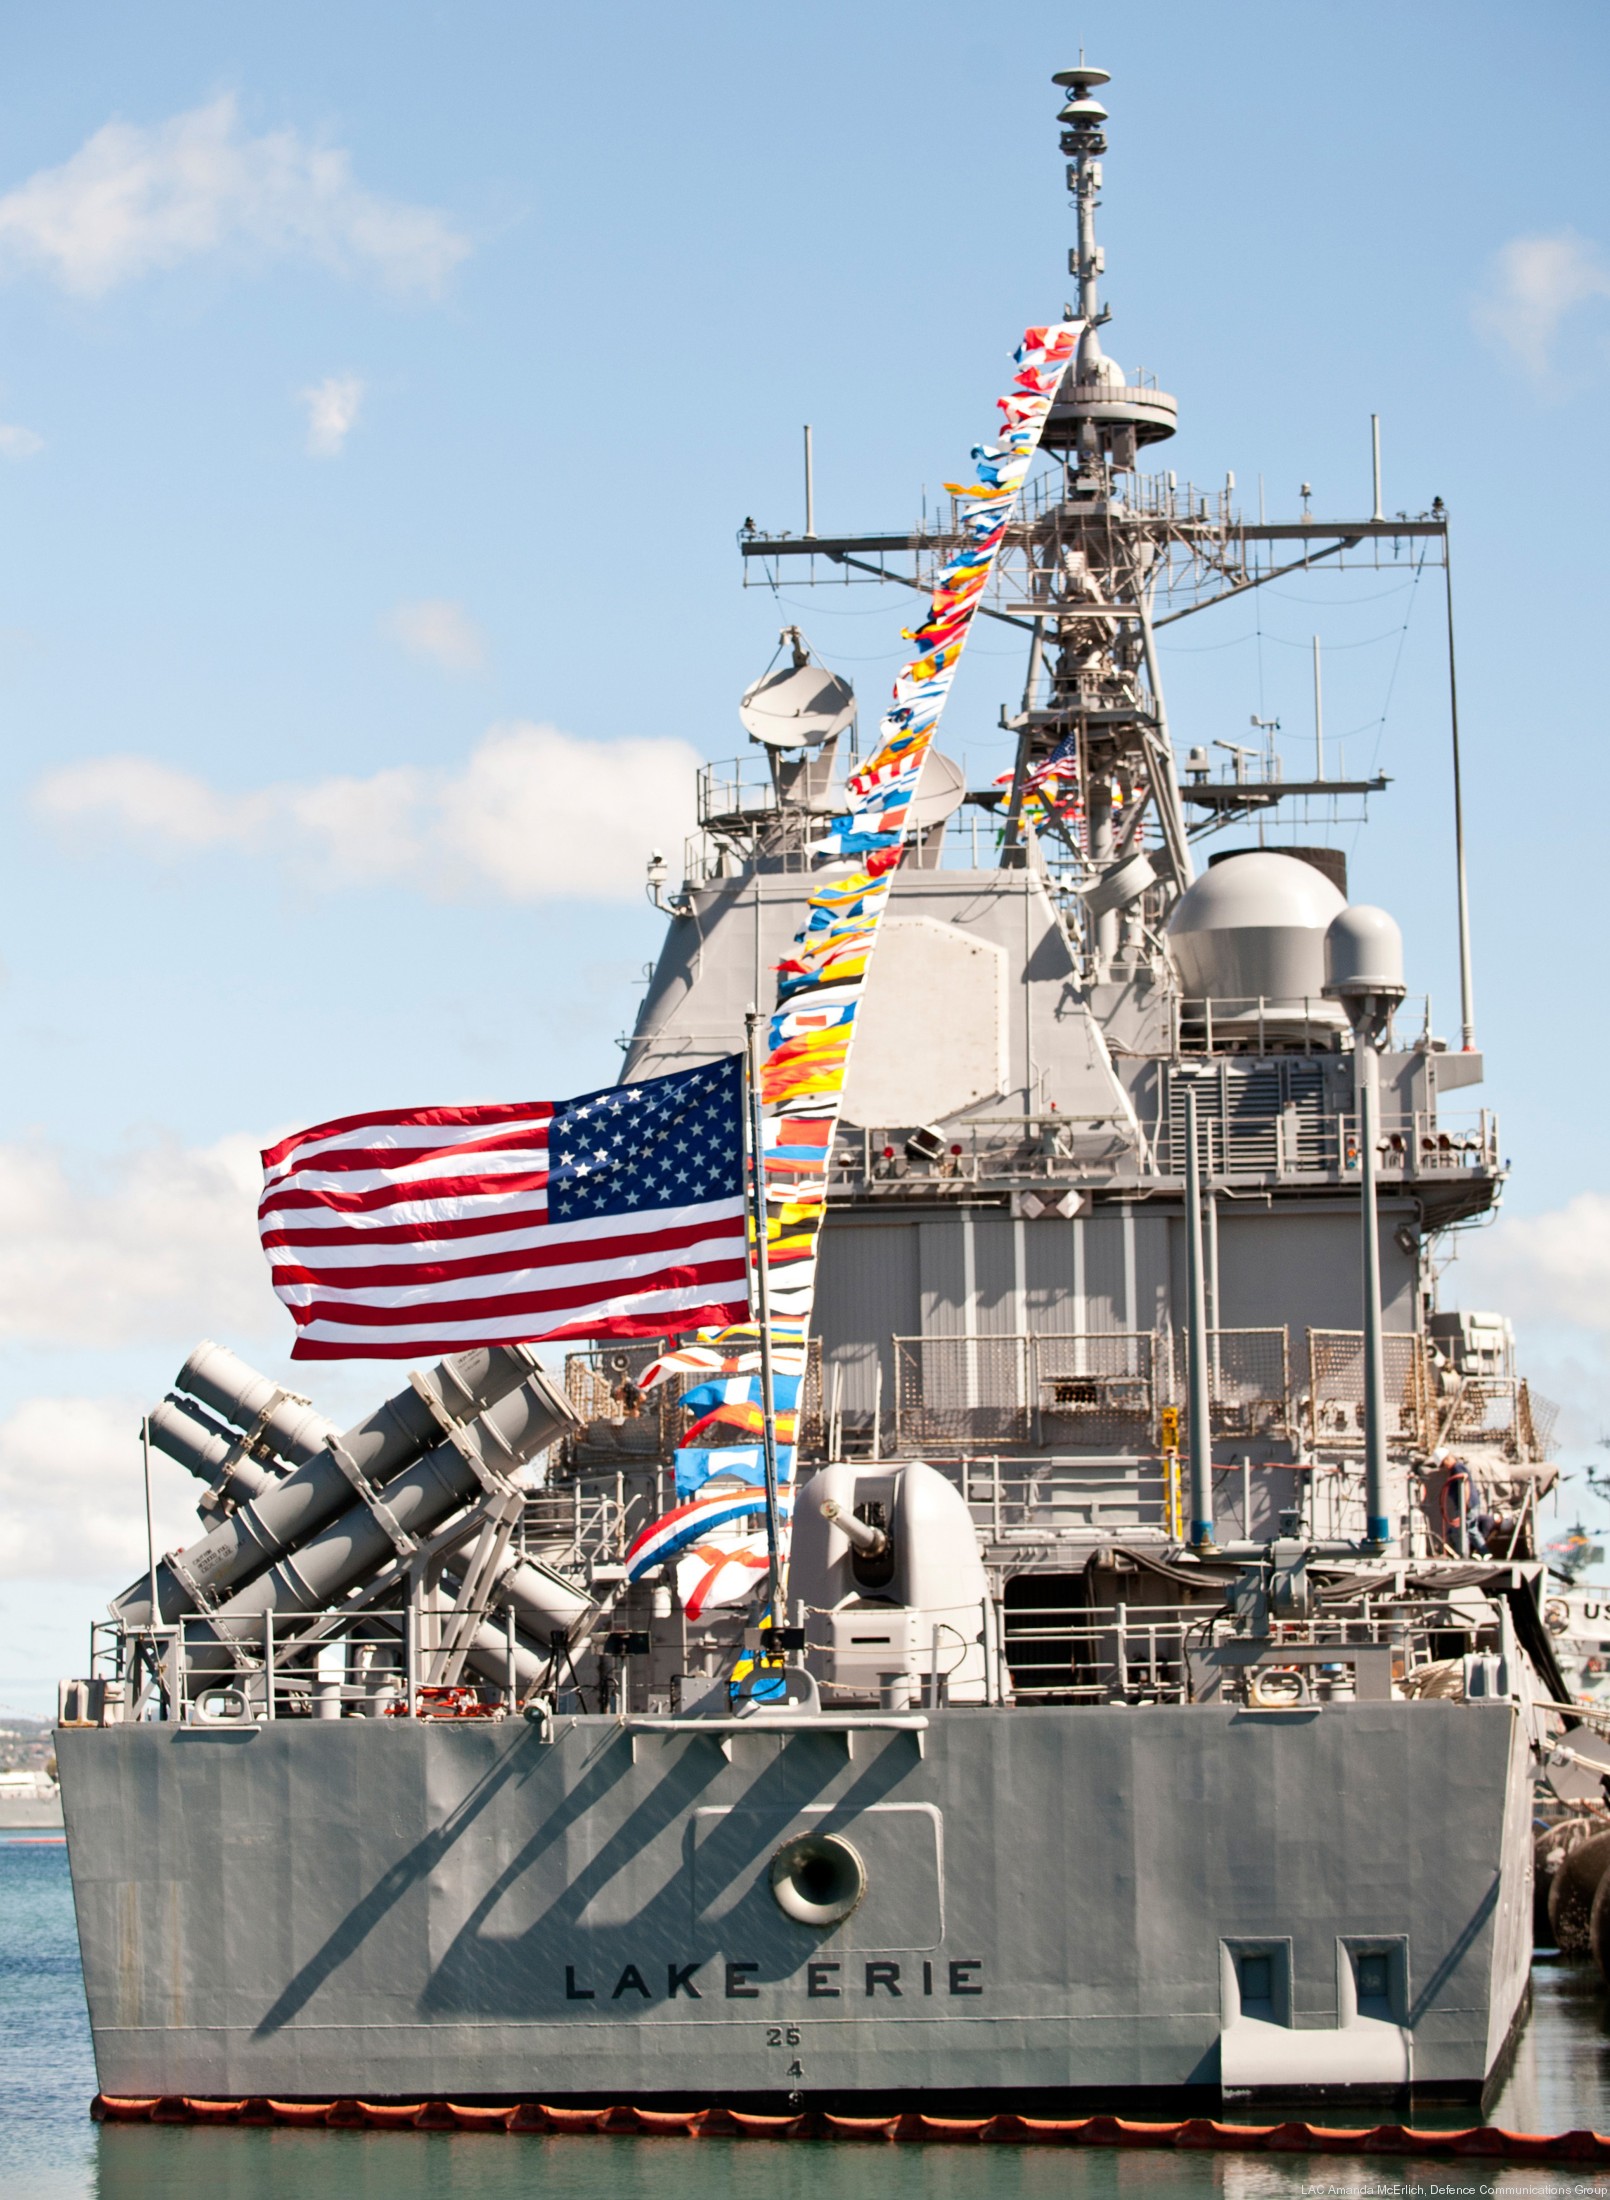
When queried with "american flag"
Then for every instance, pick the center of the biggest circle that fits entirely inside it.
(419, 1231)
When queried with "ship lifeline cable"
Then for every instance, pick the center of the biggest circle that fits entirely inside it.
(821, 983)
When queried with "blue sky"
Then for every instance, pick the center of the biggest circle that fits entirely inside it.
(381, 389)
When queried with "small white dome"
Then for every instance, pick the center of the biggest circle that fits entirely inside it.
(1364, 952)
(1095, 366)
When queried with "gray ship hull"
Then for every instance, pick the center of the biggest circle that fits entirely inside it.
(1056, 1905)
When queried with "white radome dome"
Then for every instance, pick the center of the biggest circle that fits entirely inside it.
(1253, 928)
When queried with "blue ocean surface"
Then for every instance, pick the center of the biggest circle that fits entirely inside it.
(50, 2150)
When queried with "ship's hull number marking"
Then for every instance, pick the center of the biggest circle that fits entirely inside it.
(782, 2035)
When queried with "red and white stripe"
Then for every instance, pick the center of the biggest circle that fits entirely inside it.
(421, 1231)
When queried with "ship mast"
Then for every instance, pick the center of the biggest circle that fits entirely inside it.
(1092, 562)
(1099, 557)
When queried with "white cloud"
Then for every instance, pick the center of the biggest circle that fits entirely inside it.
(1551, 1274)
(153, 1245)
(1551, 1269)
(18, 442)
(440, 631)
(72, 1492)
(332, 413)
(132, 200)
(1536, 282)
(154, 1242)
(150, 801)
(531, 814)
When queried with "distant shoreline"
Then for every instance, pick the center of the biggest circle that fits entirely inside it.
(29, 1817)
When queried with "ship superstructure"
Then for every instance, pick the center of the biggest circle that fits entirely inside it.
(1005, 1269)
(1162, 1598)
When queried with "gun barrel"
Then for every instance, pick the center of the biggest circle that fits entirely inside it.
(865, 1538)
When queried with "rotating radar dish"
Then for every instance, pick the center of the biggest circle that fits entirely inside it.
(798, 707)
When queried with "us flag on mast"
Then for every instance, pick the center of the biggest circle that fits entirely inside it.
(415, 1232)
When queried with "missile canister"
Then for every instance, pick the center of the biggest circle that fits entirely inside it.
(305, 1501)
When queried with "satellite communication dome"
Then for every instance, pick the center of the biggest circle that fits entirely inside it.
(941, 790)
(1253, 929)
(798, 707)
(1363, 953)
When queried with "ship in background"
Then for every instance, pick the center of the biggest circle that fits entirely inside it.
(1174, 1672)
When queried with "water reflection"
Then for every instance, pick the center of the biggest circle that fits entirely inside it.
(1561, 2078)
(146, 2162)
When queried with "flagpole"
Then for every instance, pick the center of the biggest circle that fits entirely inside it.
(768, 1400)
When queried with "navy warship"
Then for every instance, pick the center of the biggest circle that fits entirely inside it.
(1165, 1672)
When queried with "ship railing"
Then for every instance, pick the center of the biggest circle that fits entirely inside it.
(1132, 1652)
(759, 786)
(1057, 1154)
(404, 1661)
(1125, 1396)
(576, 1525)
(739, 807)
(781, 805)
(1024, 1151)
(1335, 1404)
(622, 1424)
(1160, 496)
(738, 786)
(1012, 1503)
(1249, 1381)
(1200, 533)
(619, 1421)
(1314, 1141)
(1427, 1144)
(1108, 1389)
(1063, 1653)
(1193, 510)
(1429, 1406)
(1303, 1135)
(1017, 1505)
(1494, 1411)
(722, 851)
(1259, 1025)
(963, 1392)
(1254, 1024)
(1151, 496)
(1434, 1144)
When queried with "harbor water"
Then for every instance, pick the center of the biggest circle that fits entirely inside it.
(50, 2150)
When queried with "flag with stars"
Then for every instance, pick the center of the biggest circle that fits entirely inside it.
(414, 1232)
